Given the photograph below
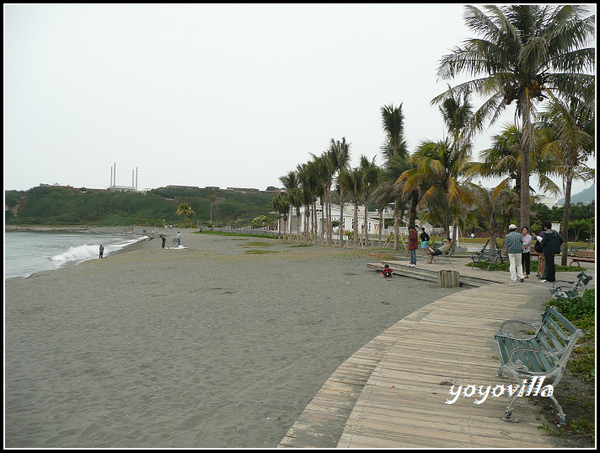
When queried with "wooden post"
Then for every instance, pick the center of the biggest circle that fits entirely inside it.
(448, 279)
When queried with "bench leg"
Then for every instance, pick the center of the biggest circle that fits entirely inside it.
(508, 412)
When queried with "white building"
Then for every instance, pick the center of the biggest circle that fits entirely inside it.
(372, 221)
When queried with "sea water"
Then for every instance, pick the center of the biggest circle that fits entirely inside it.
(28, 252)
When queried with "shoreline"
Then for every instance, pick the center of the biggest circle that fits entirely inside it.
(218, 345)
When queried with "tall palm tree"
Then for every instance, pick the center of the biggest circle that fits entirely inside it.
(528, 54)
(325, 171)
(503, 160)
(339, 153)
(568, 138)
(495, 206)
(445, 169)
(290, 182)
(393, 127)
(389, 191)
(281, 206)
(186, 211)
(351, 180)
(370, 174)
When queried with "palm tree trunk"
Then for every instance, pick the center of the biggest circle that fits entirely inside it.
(341, 227)
(566, 214)
(396, 225)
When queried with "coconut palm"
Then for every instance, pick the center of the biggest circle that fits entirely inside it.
(339, 153)
(325, 171)
(568, 140)
(528, 54)
(186, 211)
(444, 168)
(503, 160)
(351, 181)
(281, 206)
(393, 127)
(370, 174)
(495, 206)
(290, 182)
(389, 191)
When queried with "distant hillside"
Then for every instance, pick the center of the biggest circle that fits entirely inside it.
(585, 196)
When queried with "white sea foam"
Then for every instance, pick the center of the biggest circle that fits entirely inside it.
(78, 254)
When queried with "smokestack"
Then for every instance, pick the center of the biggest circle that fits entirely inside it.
(136, 178)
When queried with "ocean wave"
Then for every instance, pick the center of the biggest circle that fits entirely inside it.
(80, 253)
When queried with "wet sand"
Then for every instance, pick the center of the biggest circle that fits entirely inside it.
(220, 344)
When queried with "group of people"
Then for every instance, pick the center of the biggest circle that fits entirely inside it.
(518, 248)
(413, 245)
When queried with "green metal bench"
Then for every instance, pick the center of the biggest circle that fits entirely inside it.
(574, 249)
(444, 256)
(487, 255)
(569, 292)
(537, 349)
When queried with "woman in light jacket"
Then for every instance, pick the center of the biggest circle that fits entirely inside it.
(526, 251)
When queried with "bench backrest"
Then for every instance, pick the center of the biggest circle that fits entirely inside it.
(586, 254)
(557, 333)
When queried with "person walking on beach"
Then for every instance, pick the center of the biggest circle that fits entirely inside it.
(424, 240)
(514, 248)
(413, 243)
(179, 238)
(387, 271)
(526, 259)
(101, 250)
(164, 240)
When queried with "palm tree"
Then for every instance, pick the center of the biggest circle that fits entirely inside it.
(389, 191)
(325, 171)
(290, 182)
(185, 210)
(339, 153)
(527, 54)
(370, 174)
(503, 160)
(495, 206)
(351, 181)
(568, 141)
(445, 169)
(393, 127)
(281, 206)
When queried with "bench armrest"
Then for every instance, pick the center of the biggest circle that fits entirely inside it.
(504, 332)
(517, 365)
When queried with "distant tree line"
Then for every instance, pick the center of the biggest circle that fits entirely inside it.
(47, 205)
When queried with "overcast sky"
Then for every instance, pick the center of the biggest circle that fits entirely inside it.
(228, 95)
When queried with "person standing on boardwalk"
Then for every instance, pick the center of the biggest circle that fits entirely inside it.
(514, 248)
(541, 258)
(424, 240)
(179, 238)
(413, 243)
(101, 250)
(551, 244)
(526, 251)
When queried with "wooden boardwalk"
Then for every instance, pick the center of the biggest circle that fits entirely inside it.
(392, 393)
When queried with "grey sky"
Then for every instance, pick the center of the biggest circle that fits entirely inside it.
(213, 94)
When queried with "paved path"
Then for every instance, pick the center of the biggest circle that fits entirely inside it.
(392, 393)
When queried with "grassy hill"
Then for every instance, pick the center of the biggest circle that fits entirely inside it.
(47, 205)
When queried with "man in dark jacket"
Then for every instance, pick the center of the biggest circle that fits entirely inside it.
(551, 244)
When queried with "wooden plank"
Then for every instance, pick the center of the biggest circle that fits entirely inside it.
(401, 403)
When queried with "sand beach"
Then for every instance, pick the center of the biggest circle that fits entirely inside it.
(219, 344)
